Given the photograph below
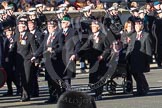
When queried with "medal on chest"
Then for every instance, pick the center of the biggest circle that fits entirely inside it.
(23, 40)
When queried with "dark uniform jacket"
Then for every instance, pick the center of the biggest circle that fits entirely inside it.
(139, 53)
(25, 50)
(56, 45)
(102, 48)
(53, 60)
(91, 51)
(71, 47)
(38, 37)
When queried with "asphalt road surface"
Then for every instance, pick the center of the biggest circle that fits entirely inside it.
(117, 100)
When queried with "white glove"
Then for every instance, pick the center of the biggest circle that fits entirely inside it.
(33, 59)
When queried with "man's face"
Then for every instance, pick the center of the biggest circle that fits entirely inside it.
(32, 16)
(65, 24)
(141, 15)
(115, 12)
(40, 9)
(8, 33)
(51, 28)
(138, 26)
(95, 28)
(135, 14)
(31, 26)
(22, 27)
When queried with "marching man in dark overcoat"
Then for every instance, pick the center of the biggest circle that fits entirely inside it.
(96, 50)
(51, 48)
(25, 47)
(70, 48)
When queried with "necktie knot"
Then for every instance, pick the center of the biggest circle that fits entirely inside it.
(51, 37)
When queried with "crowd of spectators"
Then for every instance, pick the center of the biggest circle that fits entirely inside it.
(50, 5)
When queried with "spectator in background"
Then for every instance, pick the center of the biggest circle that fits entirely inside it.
(89, 3)
(134, 5)
(21, 5)
(26, 6)
(5, 4)
(99, 6)
(156, 8)
(12, 3)
(78, 4)
(53, 4)
(66, 3)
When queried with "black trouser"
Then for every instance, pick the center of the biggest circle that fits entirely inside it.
(96, 75)
(141, 82)
(129, 86)
(26, 78)
(34, 85)
(158, 58)
(53, 68)
(11, 76)
(54, 88)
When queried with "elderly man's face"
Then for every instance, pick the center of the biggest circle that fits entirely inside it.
(22, 27)
(95, 28)
(65, 24)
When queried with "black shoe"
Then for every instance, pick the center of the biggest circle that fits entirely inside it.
(8, 94)
(51, 101)
(24, 99)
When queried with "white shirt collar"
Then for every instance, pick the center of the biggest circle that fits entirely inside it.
(139, 32)
(51, 34)
(97, 33)
(23, 33)
(33, 31)
(65, 30)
